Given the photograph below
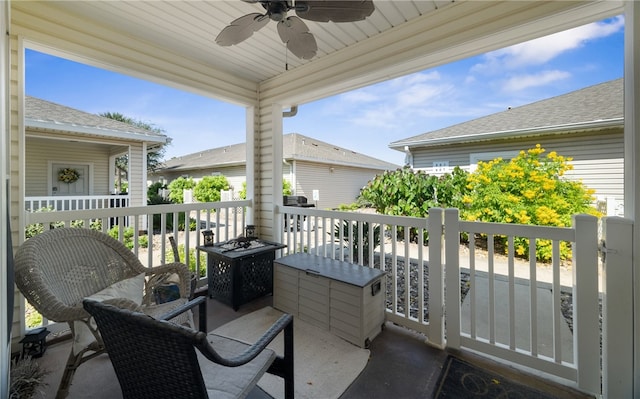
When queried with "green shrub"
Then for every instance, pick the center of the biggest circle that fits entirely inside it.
(286, 188)
(143, 240)
(192, 259)
(153, 197)
(177, 186)
(451, 188)
(208, 189)
(354, 245)
(402, 192)
(528, 189)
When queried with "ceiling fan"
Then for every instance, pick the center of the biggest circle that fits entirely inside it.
(292, 30)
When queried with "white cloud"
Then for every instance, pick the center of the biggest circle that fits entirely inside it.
(539, 51)
(397, 101)
(359, 96)
(542, 78)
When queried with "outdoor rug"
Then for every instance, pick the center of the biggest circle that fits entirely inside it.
(325, 365)
(460, 379)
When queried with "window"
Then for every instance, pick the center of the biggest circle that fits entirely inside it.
(440, 166)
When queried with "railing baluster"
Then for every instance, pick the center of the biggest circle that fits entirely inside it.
(492, 293)
(556, 301)
(533, 297)
(512, 295)
(474, 287)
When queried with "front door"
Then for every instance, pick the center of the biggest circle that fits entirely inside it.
(69, 179)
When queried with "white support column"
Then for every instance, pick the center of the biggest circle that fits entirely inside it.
(276, 178)
(250, 166)
(632, 161)
(436, 278)
(617, 326)
(452, 276)
(586, 330)
(6, 291)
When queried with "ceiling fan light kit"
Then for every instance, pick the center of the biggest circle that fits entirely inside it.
(293, 32)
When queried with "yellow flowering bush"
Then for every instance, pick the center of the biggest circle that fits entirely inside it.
(528, 189)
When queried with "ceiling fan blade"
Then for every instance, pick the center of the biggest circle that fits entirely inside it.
(241, 29)
(336, 11)
(295, 34)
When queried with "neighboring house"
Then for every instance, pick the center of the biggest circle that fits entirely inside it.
(59, 137)
(335, 174)
(586, 125)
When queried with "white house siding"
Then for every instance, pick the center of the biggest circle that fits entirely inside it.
(340, 186)
(264, 169)
(41, 152)
(598, 157)
(234, 174)
(16, 190)
(137, 185)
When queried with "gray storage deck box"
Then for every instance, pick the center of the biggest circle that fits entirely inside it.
(341, 297)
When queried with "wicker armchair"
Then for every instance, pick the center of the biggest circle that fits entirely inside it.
(157, 359)
(59, 268)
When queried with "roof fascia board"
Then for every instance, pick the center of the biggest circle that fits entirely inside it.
(40, 26)
(298, 158)
(77, 129)
(593, 125)
(457, 31)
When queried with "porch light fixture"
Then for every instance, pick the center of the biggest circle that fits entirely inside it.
(208, 238)
(250, 231)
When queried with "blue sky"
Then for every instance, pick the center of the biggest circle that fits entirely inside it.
(364, 120)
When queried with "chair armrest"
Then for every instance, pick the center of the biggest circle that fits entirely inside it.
(202, 312)
(252, 351)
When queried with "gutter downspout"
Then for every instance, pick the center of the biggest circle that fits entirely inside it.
(293, 111)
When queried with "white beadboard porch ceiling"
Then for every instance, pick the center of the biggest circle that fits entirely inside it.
(398, 38)
(190, 28)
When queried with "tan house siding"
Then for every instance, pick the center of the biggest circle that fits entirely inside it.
(264, 166)
(41, 152)
(336, 184)
(137, 192)
(234, 174)
(598, 157)
(16, 174)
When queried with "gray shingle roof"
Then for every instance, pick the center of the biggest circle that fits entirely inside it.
(295, 147)
(595, 106)
(48, 115)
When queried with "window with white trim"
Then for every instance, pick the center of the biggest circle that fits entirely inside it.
(440, 167)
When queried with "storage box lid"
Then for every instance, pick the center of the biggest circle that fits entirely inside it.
(345, 272)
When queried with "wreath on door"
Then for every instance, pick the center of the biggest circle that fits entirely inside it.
(68, 175)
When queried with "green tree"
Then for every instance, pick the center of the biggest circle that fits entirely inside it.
(208, 189)
(154, 156)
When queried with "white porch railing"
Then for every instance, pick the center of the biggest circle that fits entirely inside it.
(520, 319)
(417, 301)
(74, 203)
(511, 312)
(156, 223)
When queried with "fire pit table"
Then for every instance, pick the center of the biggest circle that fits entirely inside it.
(240, 270)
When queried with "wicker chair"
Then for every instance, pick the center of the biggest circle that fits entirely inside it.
(59, 268)
(157, 359)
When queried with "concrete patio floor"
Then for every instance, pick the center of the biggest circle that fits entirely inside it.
(401, 365)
